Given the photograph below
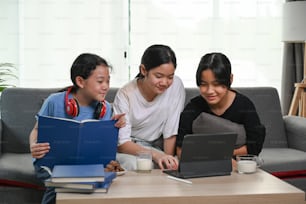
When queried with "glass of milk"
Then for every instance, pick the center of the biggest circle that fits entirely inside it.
(247, 164)
(144, 161)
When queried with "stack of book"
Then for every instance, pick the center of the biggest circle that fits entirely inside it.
(86, 178)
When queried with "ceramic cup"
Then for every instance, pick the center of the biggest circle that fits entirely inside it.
(144, 161)
(247, 164)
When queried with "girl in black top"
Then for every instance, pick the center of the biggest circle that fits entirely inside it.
(214, 79)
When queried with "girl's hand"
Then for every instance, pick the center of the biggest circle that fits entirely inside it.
(166, 161)
(39, 150)
(121, 120)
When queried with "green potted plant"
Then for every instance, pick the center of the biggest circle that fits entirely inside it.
(7, 73)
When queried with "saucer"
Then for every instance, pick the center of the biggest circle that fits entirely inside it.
(120, 173)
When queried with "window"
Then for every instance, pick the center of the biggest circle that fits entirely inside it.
(49, 35)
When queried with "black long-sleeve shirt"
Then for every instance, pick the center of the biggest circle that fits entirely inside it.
(241, 111)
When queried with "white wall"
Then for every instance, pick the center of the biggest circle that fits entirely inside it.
(44, 37)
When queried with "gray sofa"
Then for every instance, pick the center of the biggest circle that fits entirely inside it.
(284, 148)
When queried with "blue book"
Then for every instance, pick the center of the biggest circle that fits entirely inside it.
(75, 142)
(99, 188)
(108, 178)
(78, 173)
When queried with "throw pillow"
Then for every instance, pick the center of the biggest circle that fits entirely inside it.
(208, 123)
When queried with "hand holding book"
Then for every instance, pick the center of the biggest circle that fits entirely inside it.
(39, 150)
(75, 142)
(120, 120)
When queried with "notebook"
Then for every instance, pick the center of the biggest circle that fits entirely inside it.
(205, 155)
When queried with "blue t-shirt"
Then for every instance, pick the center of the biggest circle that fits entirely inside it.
(54, 106)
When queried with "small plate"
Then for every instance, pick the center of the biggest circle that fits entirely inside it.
(120, 173)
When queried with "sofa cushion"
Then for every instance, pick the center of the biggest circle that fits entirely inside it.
(191, 93)
(283, 159)
(18, 167)
(18, 109)
(208, 123)
(296, 132)
(267, 104)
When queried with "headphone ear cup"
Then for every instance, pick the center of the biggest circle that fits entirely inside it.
(100, 110)
(72, 107)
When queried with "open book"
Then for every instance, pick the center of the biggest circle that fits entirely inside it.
(75, 142)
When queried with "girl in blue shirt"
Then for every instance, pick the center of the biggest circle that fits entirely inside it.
(84, 100)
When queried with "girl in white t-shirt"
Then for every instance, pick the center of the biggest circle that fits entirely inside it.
(152, 103)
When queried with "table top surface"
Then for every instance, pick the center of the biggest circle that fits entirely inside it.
(156, 186)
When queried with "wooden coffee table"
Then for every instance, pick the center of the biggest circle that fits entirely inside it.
(156, 188)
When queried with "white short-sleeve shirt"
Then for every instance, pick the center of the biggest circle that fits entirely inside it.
(149, 120)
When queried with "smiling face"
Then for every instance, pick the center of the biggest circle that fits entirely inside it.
(157, 80)
(211, 90)
(96, 86)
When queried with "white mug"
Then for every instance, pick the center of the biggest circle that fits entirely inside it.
(247, 164)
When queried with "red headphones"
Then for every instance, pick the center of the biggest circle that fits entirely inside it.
(72, 107)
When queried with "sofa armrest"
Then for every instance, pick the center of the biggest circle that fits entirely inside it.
(296, 132)
(0, 136)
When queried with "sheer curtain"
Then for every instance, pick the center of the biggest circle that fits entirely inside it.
(48, 35)
(247, 31)
(54, 33)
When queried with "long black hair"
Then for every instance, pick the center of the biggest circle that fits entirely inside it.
(156, 55)
(219, 64)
